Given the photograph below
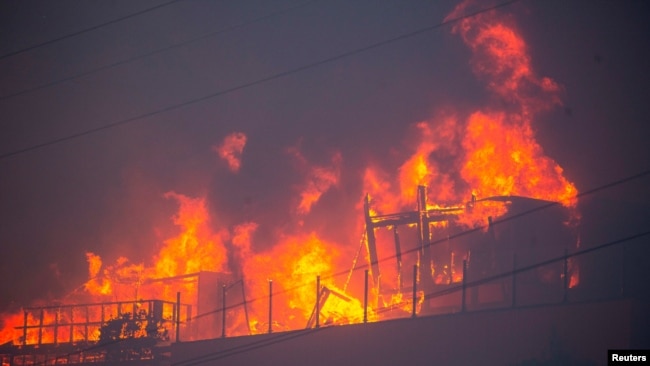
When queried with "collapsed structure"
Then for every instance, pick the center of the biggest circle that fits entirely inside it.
(464, 256)
(430, 240)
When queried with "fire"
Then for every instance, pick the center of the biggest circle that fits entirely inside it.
(494, 150)
(472, 161)
(231, 149)
(419, 169)
(500, 56)
(503, 159)
(377, 185)
(463, 157)
(197, 248)
(8, 332)
(293, 265)
(319, 179)
(96, 285)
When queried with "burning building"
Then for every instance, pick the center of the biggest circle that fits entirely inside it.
(445, 224)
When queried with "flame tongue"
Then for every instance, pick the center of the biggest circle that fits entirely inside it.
(498, 154)
(501, 154)
(500, 56)
(504, 159)
(197, 248)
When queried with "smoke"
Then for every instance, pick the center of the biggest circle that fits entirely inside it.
(318, 179)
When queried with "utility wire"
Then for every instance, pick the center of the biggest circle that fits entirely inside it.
(155, 52)
(510, 273)
(444, 240)
(210, 357)
(294, 334)
(93, 28)
(255, 82)
(286, 336)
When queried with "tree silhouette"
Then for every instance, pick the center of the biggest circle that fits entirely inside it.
(132, 336)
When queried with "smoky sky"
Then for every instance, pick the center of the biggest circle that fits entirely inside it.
(104, 192)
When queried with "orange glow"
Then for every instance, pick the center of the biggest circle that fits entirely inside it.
(417, 170)
(231, 149)
(375, 183)
(404, 302)
(197, 247)
(8, 332)
(574, 269)
(467, 162)
(464, 158)
(319, 179)
(495, 151)
(500, 55)
(293, 265)
(505, 160)
(96, 285)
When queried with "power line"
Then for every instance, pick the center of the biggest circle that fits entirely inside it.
(93, 28)
(256, 82)
(510, 273)
(283, 337)
(291, 335)
(156, 52)
(286, 336)
(455, 236)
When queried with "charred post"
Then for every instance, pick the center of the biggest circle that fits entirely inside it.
(178, 316)
(88, 321)
(243, 295)
(56, 326)
(415, 289)
(398, 256)
(270, 306)
(72, 325)
(40, 328)
(371, 243)
(464, 287)
(25, 330)
(424, 237)
(318, 301)
(365, 297)
(223, 311)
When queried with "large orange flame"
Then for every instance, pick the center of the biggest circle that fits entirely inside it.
(197, 248)
(503, 159)
(492, 152)
(459, 156)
